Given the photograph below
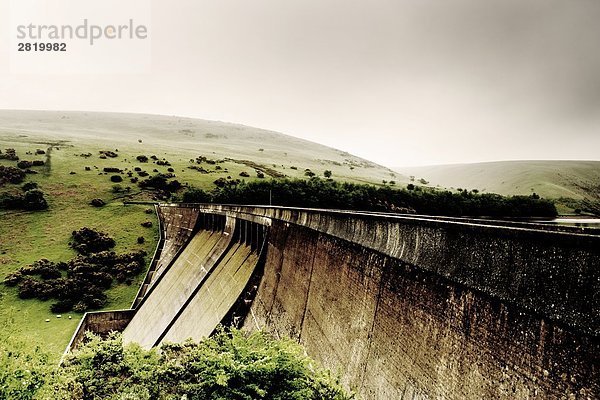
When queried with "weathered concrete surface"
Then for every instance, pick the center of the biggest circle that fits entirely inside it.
(178, 226)
(405, 307)
(395, 331)
(215, 297)
(175, 286)
(416, 308)
(554, 273)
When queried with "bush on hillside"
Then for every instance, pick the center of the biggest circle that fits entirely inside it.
(83, 285)
(97, 203)
(161, 182)
(29, 186)
(24, 164)
(9, 154)
(111, 170)
(86, 241)
(108, 153)
(31, 200)
(11, 175)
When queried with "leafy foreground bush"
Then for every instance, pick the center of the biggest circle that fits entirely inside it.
(24, 365)
(229, 365)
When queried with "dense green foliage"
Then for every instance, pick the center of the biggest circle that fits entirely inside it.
(11, 175)
(31, 200)
(86, 277)
(319, 193)
(229, 365)
(86, 241)
(24, 366)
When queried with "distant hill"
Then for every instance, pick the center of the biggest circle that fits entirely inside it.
(550, 179)
(190, 138)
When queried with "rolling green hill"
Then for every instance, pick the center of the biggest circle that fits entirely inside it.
(550, 179)
(179, 139)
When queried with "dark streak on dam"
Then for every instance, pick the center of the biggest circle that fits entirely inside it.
(402, 307)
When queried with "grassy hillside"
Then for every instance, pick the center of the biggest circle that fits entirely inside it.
(72, 141)
(550, 179)
(179, 139)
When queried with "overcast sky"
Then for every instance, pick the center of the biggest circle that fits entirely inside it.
(398, 82)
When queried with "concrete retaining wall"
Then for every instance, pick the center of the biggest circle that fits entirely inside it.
(101, 323)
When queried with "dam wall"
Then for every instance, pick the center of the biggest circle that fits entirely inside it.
(400, 306)
(175, 226)
(414, 307)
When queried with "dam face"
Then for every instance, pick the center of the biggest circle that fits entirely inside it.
(402, 307)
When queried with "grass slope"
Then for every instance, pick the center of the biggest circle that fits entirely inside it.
(550, 179)
(28, 236)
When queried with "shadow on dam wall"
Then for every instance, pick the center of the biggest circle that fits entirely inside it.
(402, 307)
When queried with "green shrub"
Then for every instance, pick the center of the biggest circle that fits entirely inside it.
(229, 365)
(86, 241)
(11, 175)
(32, 200)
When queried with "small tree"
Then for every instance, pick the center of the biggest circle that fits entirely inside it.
(327, 173)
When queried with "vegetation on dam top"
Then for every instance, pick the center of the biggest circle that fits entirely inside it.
(321, 193)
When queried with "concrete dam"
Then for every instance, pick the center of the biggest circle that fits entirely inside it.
(400, 306)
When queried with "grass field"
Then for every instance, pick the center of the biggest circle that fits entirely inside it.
(28, 236)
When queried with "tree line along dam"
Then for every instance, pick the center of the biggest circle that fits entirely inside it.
(400, 306)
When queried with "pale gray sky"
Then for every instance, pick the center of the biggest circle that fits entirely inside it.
(398, 82)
